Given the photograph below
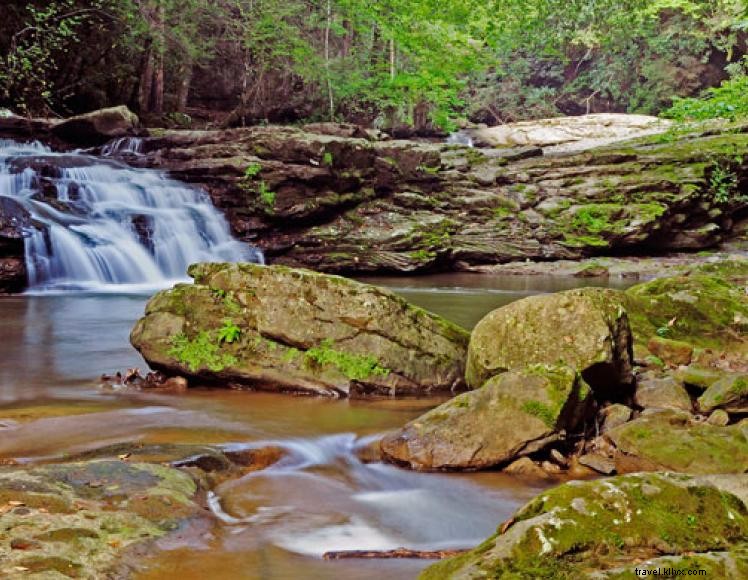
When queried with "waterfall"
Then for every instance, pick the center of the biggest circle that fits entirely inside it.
(460, 138)
(102, 225)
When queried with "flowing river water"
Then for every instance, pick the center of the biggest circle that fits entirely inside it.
(271, 524)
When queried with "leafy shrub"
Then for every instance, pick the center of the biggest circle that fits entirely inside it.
(728, 101)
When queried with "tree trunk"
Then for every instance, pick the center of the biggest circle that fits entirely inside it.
(146, 82)
(328, 26)
(183, 90)
(392, 59)
(158, 75)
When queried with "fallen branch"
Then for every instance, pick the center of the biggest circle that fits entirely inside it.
(397, 553)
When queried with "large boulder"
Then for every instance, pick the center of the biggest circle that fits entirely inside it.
(279, 328)
(672, 440)
(706, 306)
(609, 527)
(586, 329)
(512, 415)
(97, 127)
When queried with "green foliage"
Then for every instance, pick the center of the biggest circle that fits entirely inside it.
(252, 170)
(229, 332)
(354, 366)
(663, 331)
(389, 63)
(592, 218)
(327, 159)
(728, 101)
(27, 69)
(203, 351)
(723, 183)
(266, 196)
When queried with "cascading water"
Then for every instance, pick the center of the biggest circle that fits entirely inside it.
(99, 224)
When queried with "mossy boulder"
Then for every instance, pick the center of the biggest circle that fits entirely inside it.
(674, 441)
(706, 306)
(729, 393)
(278, 328)
(595, 528)
(586, 329)
(512, 415)
(77, 519)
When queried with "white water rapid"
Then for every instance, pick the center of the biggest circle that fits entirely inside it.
(100, 225)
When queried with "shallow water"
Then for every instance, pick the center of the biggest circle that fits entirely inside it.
(273, 524)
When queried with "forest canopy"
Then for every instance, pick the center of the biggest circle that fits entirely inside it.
(410, 63)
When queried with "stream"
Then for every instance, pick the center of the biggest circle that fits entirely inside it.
(100, 237)
(271, 524)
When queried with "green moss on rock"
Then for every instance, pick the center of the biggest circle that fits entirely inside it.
(585, 528)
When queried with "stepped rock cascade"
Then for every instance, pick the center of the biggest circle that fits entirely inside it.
(98, 224)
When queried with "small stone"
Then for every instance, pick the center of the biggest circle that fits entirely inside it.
(650, 490)
(592, 271)
(579, 471)
(614, 415)
(719, 418)
(672, 352)
(558, 458)
(599, 463)
(729, 393)
(526, 468)
(550, 468)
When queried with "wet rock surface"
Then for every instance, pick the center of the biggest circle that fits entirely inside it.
(76, 520)
(14, 220)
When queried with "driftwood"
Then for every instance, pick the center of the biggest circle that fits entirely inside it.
(397, 553)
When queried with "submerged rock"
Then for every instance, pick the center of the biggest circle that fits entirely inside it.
(672, 440)
(586, 329)
(512, 415)
(606, 528)
(76, 520)
(295, 330)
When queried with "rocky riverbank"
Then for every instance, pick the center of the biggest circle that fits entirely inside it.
(342, 199)
(346, 204)
(575, 385)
